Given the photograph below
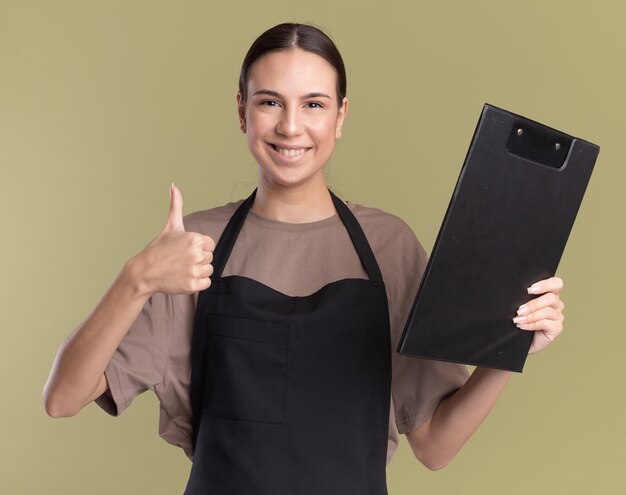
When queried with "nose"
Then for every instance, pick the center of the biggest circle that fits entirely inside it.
(290, 122)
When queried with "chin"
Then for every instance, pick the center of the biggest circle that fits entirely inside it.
(295, 179)
(286, 181)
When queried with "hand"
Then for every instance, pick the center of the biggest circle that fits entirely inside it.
(544, 314)
(175, 261)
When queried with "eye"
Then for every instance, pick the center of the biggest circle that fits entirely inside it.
(314, 104)
(269, 103)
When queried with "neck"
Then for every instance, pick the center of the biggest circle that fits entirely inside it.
(309, 202)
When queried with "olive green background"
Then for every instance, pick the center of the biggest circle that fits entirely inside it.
(102, 104)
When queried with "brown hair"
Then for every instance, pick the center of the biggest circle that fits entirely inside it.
(288, 36)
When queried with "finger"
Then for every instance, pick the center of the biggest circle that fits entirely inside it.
(550, 328)
(548, 313)
(199, 272)
(175, 215)
(205, 271)
(552, 284)
(549, 299)
(207, 258)
(198, 254)
(209, 243)
(200, 284)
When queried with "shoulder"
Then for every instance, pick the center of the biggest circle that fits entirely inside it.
(211, 221)
(399, 253)
(384, 230)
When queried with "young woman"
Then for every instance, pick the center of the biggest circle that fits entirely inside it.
(272, 352)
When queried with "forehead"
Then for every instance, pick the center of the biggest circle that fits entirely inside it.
(292, 71)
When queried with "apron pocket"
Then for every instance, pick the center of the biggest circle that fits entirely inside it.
(246, 369)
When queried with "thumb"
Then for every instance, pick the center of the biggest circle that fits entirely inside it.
(175, 216)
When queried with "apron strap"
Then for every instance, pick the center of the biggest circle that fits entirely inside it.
(359, 240)
(231, 232)
(229, 236)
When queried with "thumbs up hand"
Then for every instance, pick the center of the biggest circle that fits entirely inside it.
(175, 261)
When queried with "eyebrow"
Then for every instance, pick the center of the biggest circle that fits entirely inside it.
(269, 92)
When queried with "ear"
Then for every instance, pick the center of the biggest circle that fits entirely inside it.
(343, 111)
(241, 111)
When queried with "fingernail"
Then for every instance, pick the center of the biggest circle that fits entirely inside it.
(171, 184)
(523, 310)
(522, 326)
(534, 288)
(520, 319)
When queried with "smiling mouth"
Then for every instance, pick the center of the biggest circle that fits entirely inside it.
(289, 152)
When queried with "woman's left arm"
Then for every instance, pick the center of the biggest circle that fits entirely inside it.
(438, 440)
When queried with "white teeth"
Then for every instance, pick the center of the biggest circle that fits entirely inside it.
(286, 152)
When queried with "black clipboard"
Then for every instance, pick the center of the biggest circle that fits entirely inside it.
(506, 227)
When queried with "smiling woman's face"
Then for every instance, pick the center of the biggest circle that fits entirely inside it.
(292, 116)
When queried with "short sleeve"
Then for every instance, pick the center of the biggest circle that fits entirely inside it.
(138, 364)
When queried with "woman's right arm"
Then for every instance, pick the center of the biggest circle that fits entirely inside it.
(77, 375)
(175, 262)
